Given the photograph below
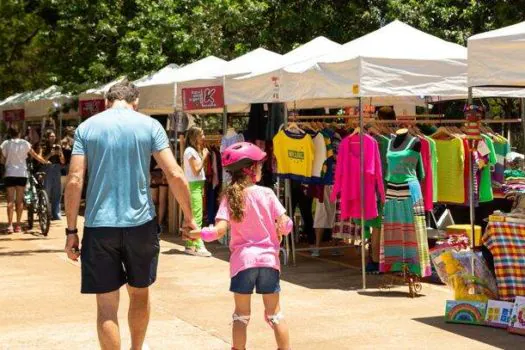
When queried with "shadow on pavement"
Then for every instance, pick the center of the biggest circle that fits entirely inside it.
(37, 238)
(30, 252)
(491, 336)
(308, 272)
(388, 294)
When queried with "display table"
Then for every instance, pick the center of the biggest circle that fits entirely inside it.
(506, 242)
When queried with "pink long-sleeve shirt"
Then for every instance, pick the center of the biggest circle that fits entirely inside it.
(347, 177)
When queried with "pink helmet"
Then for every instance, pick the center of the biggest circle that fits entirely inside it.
(241, 155)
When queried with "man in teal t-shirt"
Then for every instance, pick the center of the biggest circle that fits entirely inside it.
(120, 244)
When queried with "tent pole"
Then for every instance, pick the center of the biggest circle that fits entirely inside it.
(362, 190)
(471, 190)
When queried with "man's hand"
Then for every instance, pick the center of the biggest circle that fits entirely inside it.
(187, 226)
(72, 250)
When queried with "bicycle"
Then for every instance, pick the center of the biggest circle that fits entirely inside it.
(37, 201)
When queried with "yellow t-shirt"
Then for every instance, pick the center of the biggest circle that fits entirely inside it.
(451, 171)
(294, 155)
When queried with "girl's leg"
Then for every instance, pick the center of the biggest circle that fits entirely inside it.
(280, 329)
(19, 204)
(10, 205)
(163, 202)
(240, 328)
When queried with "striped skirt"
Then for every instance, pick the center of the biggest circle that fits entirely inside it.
(404, 235)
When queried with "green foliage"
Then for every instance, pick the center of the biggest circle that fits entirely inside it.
(78, 43)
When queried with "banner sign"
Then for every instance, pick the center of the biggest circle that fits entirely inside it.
(13, 115)
(91, 107)
(206, 97)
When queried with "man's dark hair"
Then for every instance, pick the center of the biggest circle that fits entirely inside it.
(13, 133)
(386, 113)
(124, 91)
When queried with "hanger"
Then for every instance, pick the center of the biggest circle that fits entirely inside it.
(293, 127)
(442, 133)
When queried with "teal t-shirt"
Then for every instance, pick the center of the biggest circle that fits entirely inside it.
(118, 144)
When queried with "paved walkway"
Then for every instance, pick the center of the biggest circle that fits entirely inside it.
(41, 307)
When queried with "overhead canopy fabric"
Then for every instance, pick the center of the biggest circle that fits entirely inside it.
(497, 57)
(396, 60)
(158, 91)
(99, 92)
(40, 103)
(241, 65)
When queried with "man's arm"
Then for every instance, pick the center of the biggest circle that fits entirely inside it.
(176, 180)
(73, 194)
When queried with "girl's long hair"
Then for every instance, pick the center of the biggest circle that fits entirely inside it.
(191, 138)
(234, 194)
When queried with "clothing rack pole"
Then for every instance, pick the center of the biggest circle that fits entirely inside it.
(362, 189)
(471, 191)
(288, 207)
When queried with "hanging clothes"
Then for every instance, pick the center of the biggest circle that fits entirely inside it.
(502, 148)
(451, 169)
(404, 239)
(434, 163)
(229, 139)
(347, 177)
(295, 155)
(427, 183)
(485, 187)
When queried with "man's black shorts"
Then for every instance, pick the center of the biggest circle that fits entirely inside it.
(113, 256)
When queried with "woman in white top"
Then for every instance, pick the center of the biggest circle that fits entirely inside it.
(15, 152)
(195, 156)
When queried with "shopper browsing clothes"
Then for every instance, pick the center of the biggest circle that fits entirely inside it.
(258, 222)
(67, 148)
(120, 244)
(195, 156)
(159, 190)
(15, 151)
(52, 152)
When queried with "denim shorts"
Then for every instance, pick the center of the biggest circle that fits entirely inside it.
(265, 280)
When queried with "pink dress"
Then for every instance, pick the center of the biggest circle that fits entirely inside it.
(427, 186)
(347, 177)
(254, 241)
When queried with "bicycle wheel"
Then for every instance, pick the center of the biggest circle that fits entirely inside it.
(44, 212)
(30, 216)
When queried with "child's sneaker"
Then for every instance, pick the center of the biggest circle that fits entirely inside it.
(190, 250)
(202, 251)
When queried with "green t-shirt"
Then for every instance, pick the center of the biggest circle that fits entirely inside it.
(404, 164)
(485, 183)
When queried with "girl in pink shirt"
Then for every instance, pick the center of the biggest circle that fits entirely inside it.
(257, 220)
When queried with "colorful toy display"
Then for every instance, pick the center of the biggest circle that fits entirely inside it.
(517, 319)
(498, 313)
(454, 268)
(468, 312)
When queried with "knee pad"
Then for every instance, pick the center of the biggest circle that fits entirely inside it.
(242, 319)
(274, 320)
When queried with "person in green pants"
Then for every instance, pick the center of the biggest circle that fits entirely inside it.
(195, 156)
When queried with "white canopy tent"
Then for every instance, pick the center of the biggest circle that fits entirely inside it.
(495, 58)
(158, 91)
(41, 103)
(495, 62)
(241, 65)
(394, 61)
(17, 101)
(100, 91)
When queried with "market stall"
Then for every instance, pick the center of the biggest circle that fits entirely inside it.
(41, 105)
(92, 101)
(12, 108)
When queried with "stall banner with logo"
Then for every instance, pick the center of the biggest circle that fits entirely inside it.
(13, 115)
(206, 97)
(91, 107)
